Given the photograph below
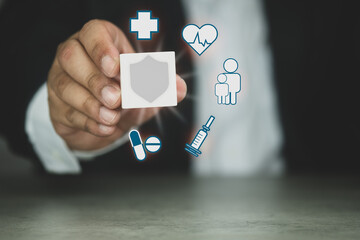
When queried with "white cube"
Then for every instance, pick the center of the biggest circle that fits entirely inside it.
(148, 80)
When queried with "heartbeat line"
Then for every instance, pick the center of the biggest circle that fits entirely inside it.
(197, 41)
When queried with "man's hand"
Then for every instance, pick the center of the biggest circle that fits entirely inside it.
(84, 92)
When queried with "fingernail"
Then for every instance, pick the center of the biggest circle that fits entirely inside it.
(105, 129)
(108, 64)
(110, 95)
(107, 115)
(181, 93)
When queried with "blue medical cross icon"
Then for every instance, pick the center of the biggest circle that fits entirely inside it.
(144, 25)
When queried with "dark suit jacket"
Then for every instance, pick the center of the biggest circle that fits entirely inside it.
(316, 55)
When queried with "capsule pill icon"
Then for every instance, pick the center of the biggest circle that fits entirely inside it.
(137, 145)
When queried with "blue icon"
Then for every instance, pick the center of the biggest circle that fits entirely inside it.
(152, 144)
(199, 38)
(199, 138)
(137, 145)
(229, 83)
(144, 25)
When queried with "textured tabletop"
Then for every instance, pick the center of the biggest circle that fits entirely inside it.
(168, 207)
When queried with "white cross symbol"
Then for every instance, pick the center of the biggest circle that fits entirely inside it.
(144, 25)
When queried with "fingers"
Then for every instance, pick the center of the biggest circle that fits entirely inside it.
(103, 41)
(83, 92)
(77, 64)
(64, 114)
(79, 98)
(181, 88)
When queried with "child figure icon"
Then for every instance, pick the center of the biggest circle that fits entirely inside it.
(229, 83)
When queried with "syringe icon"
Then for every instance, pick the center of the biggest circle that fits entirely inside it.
(199, 138)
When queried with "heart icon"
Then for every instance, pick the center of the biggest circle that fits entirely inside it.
(201, 38)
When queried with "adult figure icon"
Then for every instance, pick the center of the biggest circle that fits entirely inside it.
(233, 79)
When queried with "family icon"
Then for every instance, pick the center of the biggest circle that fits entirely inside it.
(229, 83)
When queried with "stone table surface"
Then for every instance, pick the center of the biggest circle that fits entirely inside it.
(179, 207)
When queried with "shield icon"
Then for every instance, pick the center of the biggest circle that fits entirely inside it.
(149, 78)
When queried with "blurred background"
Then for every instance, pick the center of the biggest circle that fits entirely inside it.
(315, 56)
(299, 109)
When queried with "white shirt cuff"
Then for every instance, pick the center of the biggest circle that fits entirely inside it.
(53, 152)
